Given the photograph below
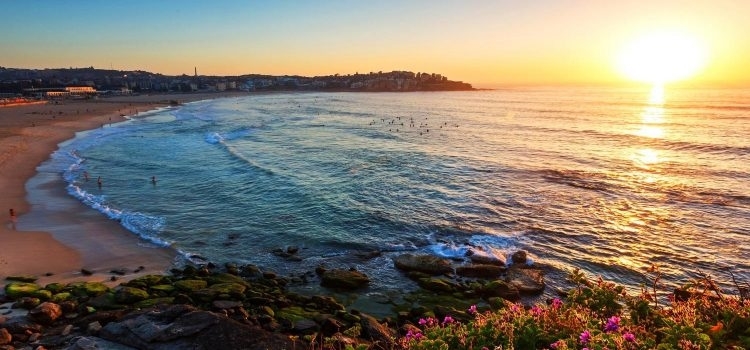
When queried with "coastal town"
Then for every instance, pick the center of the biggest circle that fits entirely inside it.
(87, 82)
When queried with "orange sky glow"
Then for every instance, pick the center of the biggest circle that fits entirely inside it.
(486, 43)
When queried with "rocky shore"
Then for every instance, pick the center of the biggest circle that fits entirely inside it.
(244, 307)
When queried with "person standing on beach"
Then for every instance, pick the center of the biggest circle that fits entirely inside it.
(12, 214)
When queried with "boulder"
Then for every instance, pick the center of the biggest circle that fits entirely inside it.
(381, 335)
(526, 280)
(130, 295)
(423, 263)
(500, 288)
(480, 271)
(88, 289)
(15, 290)
(519, 257)
(344, 279)
(436, 285)
(46, 313)
(184, 327)
(190, 285)
(5, 337)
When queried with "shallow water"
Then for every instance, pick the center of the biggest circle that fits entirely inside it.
(606, 180)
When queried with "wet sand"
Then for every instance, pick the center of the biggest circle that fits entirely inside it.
(52, 235)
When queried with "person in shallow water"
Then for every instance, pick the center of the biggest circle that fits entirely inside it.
(99, 181)
(153, 180)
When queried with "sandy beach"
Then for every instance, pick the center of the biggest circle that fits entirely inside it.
(67, 236)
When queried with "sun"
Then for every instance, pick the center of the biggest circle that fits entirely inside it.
(663, 57)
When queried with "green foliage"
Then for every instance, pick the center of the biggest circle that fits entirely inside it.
(599, 315)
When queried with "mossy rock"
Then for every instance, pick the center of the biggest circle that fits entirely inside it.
(233, 289)
(15, 290)
(500, 288)
(60, 297)
(27, 303)
(55, 287)
(130, 295)
(22, 278)
(88, 289)
(42, 294)
(204, 295)
(148, 303)
(428, 264)
(145, 281)
(436, 285)
(105, 302)
(220, 278)
(190, 285)
(295, 313)
(344, 279)
(162, 289)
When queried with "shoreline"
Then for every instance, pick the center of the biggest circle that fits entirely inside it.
(54, 236)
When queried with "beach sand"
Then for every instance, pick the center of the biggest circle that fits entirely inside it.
(53, 236)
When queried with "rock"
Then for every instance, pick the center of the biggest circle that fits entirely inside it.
(305, 326)
(46, 313)
(227, 278)
(22, 278)
(87, 272)
(292, 249)
(5, 337)
(93, 328)
(183, 327)
(146, 281)
(42, 294)
(55, 287)
(66, 330)
(190, 285)
(344, 279)
(519, 257)
(436, 285)
(235, 290)
(486, 260)
(119, 271)
(225, 304)
(423, 263)
(480, 271)
(15, 290)
(21, 325)
(500, 288)
(382, 336)
(88, 289)
(130, 295)
(154, 302)
(27, 303)
(526, 280)
(162, 289)
(92, 343)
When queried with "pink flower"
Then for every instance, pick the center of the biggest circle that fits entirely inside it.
(556, 303)
(613, 324)
(629, 337)
(427, 322)
(410, 335)
(536, 310)
(585, 337)
(472, 309)
(448, 320)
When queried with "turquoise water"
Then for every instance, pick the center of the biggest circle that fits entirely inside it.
(606, 180)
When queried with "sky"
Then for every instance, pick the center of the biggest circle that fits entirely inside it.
(487, 43)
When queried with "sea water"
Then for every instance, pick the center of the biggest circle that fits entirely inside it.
(610, 181)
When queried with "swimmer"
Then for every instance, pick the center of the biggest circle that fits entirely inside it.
(99, 181)
(153, 180)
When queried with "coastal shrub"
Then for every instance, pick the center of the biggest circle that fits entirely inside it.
(598, 315)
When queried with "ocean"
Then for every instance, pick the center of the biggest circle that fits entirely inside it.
(607, 180)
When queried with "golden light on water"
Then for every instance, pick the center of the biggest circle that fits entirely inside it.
(652, 119)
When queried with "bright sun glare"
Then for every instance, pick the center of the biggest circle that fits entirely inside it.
(660, 58)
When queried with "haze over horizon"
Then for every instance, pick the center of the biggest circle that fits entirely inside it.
(485, 43)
